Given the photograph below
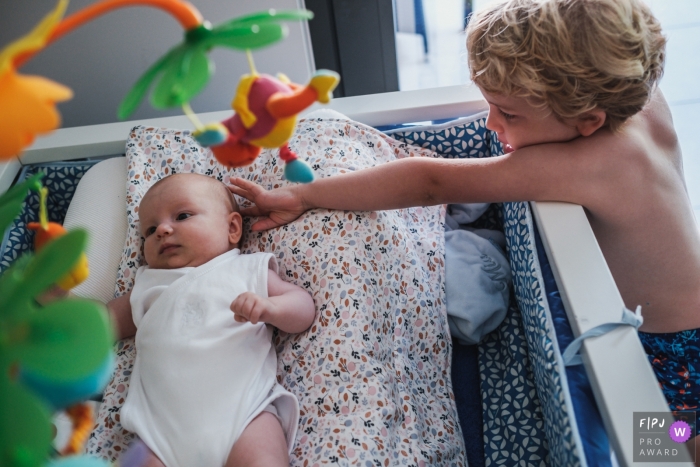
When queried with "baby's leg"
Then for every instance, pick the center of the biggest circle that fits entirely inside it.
(262, 443)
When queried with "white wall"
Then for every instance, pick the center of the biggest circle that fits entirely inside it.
(479, 4)
(103, 59)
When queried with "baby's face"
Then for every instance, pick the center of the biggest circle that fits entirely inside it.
(185, 224)
(518, 123)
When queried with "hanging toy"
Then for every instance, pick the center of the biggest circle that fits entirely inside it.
(28, 103)
(266, 114)
(55, 393)
(82, 419)
(47, 231)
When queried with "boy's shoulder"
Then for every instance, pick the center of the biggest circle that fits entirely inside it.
(646, 133)
(646, 137)
(593, 170)
(643, 155)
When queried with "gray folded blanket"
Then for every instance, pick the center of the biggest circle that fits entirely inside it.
(477, 274)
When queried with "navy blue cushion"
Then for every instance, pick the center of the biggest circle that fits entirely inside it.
(512, 433)
(518, 357)
(61, 178)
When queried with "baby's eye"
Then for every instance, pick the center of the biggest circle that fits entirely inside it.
(149, 231)
(506, 115)
(182, 216)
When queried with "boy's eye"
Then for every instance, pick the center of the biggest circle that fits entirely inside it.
(507, 116)
(182, 216)
(150, 231)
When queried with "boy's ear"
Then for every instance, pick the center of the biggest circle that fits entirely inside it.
(590, 122)
(235, 228)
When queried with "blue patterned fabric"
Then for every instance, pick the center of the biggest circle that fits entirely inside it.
(61, 178)
(527, 410)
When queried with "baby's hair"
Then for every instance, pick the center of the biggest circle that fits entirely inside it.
(572, 56)
(218, 188)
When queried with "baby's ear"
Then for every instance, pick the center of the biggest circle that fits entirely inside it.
(235, 228)
(590, 122)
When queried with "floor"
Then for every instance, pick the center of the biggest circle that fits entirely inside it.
(445, 65)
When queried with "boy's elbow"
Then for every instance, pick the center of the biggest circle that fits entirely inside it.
(430, 184)
(430, 195)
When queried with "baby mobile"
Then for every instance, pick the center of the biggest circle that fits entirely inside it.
(52, 357)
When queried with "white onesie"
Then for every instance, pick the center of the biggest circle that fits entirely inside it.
(200, 377)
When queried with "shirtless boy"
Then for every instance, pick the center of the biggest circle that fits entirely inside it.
(571, 88)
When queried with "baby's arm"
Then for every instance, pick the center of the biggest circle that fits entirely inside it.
(289, 308)
(120, 311)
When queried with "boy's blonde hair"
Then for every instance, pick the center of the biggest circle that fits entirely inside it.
(572, 56)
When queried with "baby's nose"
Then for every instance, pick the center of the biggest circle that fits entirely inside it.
(164, 229)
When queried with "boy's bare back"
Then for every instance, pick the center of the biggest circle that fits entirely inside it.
(632, 187)
(645, 225)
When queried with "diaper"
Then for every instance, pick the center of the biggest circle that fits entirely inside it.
(285, 407)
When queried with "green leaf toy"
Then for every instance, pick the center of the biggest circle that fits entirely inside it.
(186, 69)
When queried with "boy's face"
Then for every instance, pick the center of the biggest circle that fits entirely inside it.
(519, 123)
(185, 223)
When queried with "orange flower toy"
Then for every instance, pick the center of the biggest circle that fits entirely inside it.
(28, 103)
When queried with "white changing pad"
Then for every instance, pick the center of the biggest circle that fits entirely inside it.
(99, 207)
(372, 373)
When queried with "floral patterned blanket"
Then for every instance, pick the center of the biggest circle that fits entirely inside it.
(372, 373)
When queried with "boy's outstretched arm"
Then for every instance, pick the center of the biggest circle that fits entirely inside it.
(289, 308)
(393, 185)
(548, 172)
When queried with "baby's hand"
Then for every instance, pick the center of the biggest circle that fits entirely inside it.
(52, 294)
(249, 307)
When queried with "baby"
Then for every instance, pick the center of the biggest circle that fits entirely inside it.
(203, 389)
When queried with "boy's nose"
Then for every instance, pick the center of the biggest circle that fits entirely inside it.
(492, 122)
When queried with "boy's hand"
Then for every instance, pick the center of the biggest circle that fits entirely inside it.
(249, 307)
(277, 207)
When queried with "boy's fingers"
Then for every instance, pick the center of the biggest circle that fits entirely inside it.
(264, 224)
(244, 188)
(252, 211)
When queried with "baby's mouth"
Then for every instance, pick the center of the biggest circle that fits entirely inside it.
(508, 148)
(167, 248)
